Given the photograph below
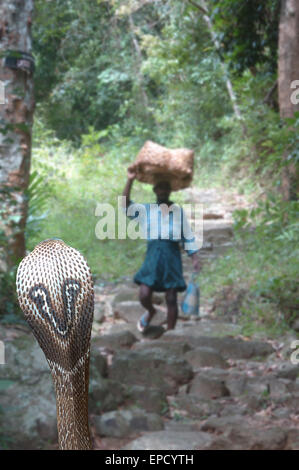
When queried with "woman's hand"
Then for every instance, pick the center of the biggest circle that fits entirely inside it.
(195, 263)
(131, 174)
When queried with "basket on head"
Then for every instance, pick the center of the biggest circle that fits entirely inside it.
(156, 163)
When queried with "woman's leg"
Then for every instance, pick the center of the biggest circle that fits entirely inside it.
(172, 308)
(145, 297)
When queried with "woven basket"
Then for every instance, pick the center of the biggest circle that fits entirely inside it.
(156, 163)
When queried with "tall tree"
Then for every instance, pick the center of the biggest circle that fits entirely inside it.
(16, 114)
(288, 72)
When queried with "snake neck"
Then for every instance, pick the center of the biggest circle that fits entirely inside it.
(71, 388)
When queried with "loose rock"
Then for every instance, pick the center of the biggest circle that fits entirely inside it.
(123, 423)
(152, 367)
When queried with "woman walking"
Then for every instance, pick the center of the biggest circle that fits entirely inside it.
(161, 270)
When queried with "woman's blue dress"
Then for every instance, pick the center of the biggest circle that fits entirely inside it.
(162, 267)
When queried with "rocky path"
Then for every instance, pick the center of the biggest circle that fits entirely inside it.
(201, 386)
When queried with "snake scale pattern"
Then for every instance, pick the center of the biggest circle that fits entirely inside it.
(55, 292)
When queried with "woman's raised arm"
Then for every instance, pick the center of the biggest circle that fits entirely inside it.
(127, 189)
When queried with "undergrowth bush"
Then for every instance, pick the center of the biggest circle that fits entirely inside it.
(263, 264)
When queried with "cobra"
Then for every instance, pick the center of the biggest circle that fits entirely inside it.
(55, 292)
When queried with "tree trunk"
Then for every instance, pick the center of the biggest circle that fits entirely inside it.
(288, 72)
(16, 116)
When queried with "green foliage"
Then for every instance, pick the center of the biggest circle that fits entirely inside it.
(194, 96)
(170, 89)
(271, 217)
(9, 307)
(85, 55)
(9, 228)
(263, 263)
(247, 31)
(38, 195)
(253, 159)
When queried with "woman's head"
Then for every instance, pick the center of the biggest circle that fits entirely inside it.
(162, 189)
